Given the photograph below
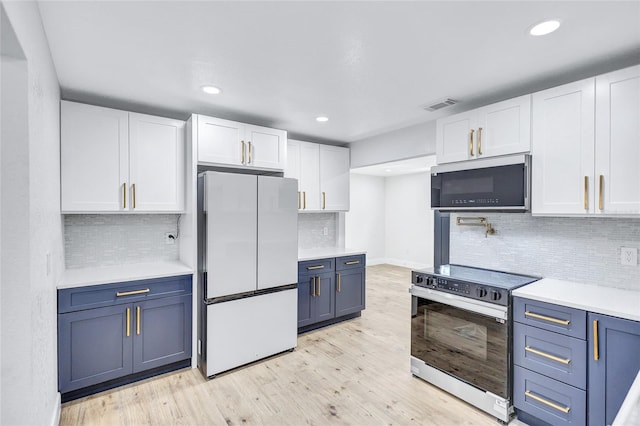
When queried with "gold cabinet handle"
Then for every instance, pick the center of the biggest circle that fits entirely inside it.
(131, 293)
(596, 355)
(586, 192)
(318, 282)
(304, 200)
(128, 322)
(547, 402)
(479, 140)
(324, 200)
(546, 355)
(352, 262)
(313, 268)
(138, 320)
(546, 318)
(133, 191)
(339, 283)
(600, 198)
(250, 153)
(313, 286)
(471, 142)
(124, 195)
(299, 203)
(243, 150)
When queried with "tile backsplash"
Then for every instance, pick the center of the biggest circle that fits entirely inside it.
(311, 228)
(574, 249)
(106, 240)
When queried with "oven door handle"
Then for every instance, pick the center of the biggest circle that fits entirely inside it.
(466, 303)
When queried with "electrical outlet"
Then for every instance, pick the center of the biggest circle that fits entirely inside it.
(628, 256)
(325, 231)
(169, 238)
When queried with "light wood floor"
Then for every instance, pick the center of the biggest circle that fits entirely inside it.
(352, 373)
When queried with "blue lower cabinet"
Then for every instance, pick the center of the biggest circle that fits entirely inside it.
(325, 299)
(306, 300)
(350, 291)
(614, 362)
(162, 332)
(548, 400)
(146, 328)
(94, 346)
(316, 298)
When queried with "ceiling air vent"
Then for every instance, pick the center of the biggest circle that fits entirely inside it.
(439, 104)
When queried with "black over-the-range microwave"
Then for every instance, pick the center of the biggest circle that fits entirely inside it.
(499, 183)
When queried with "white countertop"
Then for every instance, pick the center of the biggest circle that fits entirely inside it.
(323, 253)
(128, 272)
(599, 299)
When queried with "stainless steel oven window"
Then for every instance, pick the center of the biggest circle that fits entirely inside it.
(470, 346)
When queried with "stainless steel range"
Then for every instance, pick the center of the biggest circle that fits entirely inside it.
(461, 333)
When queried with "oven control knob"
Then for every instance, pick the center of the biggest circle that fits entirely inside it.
(495, 295)
(481, 292)
(419, 279)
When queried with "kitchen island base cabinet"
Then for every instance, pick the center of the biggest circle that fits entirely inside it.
(330, 290)
(614, 362)
(144, 329)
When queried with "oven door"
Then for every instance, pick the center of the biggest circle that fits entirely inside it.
(462, 337)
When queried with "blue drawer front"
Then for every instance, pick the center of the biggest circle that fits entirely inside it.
(350, 262)
(315, 267)
(560, 319)
(96, 296)
(551, 354)
(548, 400)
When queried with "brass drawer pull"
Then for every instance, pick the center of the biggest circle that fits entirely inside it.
(250, 153)
(601, 188)
(339, 283)
(138, 320)
(324, 200)
(586, 192)
(124, 195)
(546, 318)
(243, 151)
(313, 286)
(471, 142)
(318, 282)
(546, 355)
(131, 293)
(546, 402)
(312, 268)
(480, 141)
(596, 355)
(352, 262)
(133, 190)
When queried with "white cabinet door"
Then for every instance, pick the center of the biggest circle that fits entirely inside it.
(455, 137)
(232, 220)
(221, 141)
(156, 163)
(309, 181)
(266, 148)
(617, 166)
(504, 128)
(563, 149)
(94, 158)
(334, 178)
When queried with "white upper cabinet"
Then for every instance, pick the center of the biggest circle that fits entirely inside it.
(334, 178)
(617, 158)
(499, 129)
(323, 175)
(115, 161)
(586, 154)
(228, 143)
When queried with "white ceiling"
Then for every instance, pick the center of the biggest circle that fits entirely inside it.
(397, 168)
(368, 66)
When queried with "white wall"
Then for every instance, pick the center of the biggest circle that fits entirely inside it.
(391, 218)
(409, 142)
(365, 221)
(31, 221)
(409, 220)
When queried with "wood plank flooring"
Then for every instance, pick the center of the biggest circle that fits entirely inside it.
(352, 373)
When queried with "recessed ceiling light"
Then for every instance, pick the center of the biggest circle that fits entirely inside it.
(544, 28)
(211, 90)
(388, 170)
(322, 119)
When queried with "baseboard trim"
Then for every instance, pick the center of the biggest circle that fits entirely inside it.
(55, 418)
(376, 261)
(407, 264)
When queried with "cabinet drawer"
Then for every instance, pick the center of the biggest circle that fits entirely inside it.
(350, 262)
(561, 319)
(551, 354)
(547, 399)
(96, 296)
(314, 267)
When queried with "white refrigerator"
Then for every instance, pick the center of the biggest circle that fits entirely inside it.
(248, 266)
